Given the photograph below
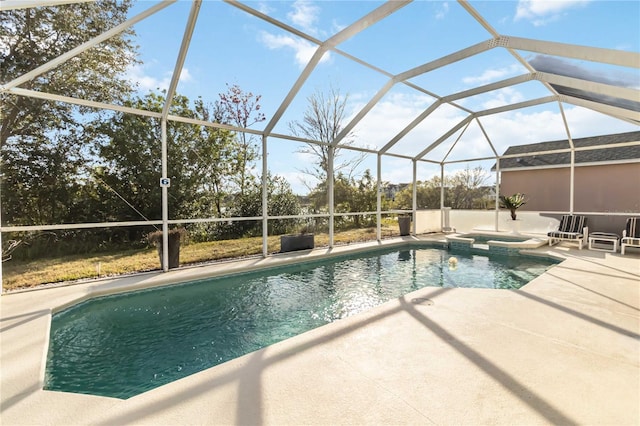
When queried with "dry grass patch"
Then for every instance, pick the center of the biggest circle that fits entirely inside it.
(19, 275)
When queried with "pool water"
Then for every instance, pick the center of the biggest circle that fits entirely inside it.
(126, 344)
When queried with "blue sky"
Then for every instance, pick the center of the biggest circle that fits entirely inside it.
(231, 46)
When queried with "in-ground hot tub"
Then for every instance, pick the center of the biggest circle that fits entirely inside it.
(497, 243)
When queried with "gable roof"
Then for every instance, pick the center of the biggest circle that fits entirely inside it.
(530, 159)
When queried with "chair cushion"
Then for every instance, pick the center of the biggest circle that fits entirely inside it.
(630, 241)
(633, 227)
(571, 223)
(566, 235)
(565, 223)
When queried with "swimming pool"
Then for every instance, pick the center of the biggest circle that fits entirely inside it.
(126, 344)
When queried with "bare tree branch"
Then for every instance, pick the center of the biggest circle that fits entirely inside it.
(322, 122)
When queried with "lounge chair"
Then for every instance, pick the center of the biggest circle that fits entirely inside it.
(571, 228)
(631, 234)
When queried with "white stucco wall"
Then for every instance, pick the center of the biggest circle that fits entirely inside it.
(527, 222)
(484, 220)
(427, 221)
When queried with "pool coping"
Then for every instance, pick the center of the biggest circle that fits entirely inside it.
(25, 319)
(532, 241)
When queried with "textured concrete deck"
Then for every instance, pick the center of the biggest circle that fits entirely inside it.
(565, 349)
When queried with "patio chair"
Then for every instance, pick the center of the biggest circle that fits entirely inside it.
(571, 228)
(631, 234)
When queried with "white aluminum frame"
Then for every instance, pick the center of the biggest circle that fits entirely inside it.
(496, 41)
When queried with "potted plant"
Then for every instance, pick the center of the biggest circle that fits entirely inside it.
(513, 203)
(303, 240)
(175, 235)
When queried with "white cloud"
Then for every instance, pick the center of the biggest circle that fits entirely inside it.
(584, 122)
(504, 96)
(518, 127)
(492, 74)
(305, 15)
(394, 113)
(541, 12)
(185, 75)
(289, 164)
(138, 74)
(443, 11)
(528, 126)
(263, 7)
(396, 170)
(299, 181)
(303, 49)
(525, 126)
(337, 27)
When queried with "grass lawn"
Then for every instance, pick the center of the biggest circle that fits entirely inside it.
(27, 274)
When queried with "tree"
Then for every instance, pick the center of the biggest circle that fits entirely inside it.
(427, 194)
(223, 158)
(464, 190)
(241, 109)
(281, 201)
(364, 196)
(322, 122)
(32, 37)
(39, 180)
(41, 142)
(350, 196)
(202, 162)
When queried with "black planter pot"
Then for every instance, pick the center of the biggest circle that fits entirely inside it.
(404, 222)
(174, 250)
(296, 242)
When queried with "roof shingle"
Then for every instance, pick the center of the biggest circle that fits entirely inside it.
(564, 158)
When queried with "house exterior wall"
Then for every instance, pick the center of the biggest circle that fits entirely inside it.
(612, 188)
(602, 188)
(545, 189)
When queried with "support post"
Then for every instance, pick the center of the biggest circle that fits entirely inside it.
(1, 276)
(173, 84)
(379, 199)
(573, 158)
(441, 196)
(572, 179)
(497, 225)
(165, 198)
(265, 206)
(414, 197)
(330, 190)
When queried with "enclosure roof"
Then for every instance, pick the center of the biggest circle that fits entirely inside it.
(417, 59)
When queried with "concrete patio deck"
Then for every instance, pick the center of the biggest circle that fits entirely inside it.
(565, 349)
